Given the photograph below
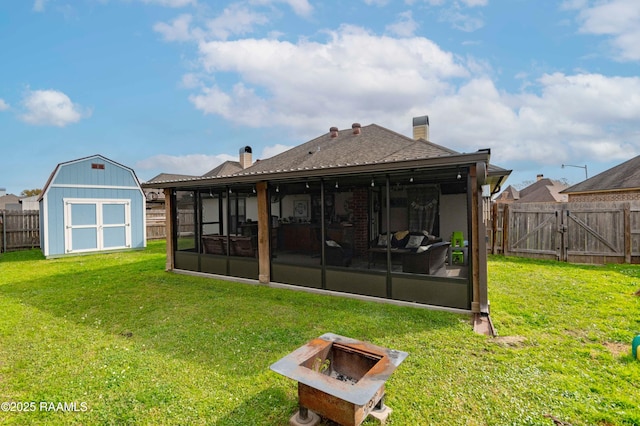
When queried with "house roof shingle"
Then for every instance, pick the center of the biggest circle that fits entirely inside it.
(374, 145)
(224, 169)
(625, 176)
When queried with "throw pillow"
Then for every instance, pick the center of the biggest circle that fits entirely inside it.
(422, 249)
(382, 240)
(400, 235)
(332, 243)
(415, 241)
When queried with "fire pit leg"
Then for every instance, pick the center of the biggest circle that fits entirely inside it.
(380, 405)
(380, 411)
(304, 417)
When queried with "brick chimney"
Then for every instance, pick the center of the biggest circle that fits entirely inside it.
(357, 128)
(245, 157)
(421, 127)
(539, 177)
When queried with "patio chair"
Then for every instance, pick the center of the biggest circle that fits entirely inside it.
(458, 251)
(337, 254)
(430, 261)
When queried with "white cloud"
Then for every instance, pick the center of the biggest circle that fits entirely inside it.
(353, 71)
(171, 3)
(299, 7)
(194, 165)
(234, 20)
(270, 151)
(583, 117)
(38, 5)
(405, 25)
(190, 81)
(376, 2)
(461, 21)
(474, 3)
(178, 30)
(197, 164)
(3, 105)
(51, 108)
(619, 19)
(357, 76)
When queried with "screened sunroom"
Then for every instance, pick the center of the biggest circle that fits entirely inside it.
(363, 211)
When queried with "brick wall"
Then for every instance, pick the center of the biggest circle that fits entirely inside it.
(361, 220)
(606, 196)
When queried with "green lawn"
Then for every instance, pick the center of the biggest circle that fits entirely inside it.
(129, 343)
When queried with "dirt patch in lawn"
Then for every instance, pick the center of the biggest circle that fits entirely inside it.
(617, 348)
(510, 341)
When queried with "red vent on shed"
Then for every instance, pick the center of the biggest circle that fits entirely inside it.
(97, 166)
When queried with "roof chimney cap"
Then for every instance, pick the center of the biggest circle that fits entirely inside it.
(421, 127)
(245, 157)
(421, 121)
(539, 177)
(333, 132)
(356, 128)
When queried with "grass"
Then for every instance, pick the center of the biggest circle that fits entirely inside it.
(132, 344)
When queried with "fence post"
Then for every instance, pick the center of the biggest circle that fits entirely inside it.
(505, 230)
(627, 233)
(3, 246)
(494, 227)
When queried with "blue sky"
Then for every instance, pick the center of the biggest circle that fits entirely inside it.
(179, 86)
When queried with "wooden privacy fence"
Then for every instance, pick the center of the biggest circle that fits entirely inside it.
(19, 230)
(597, 232)
(156, 224)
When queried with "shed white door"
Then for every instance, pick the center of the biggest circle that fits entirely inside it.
(94, 225)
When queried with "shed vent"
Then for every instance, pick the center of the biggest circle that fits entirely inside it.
(97, 166)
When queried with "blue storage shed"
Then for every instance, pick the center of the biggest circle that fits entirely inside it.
(89, 205)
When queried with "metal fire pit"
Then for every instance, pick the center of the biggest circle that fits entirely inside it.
(339, 378)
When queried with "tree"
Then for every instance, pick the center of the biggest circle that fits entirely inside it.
(30, 192)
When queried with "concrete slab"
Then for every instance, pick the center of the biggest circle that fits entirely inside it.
(312, 419)
(381, 415)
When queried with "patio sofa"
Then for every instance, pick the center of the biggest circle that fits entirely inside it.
(240, 245)
(402, 242)
(429, 260)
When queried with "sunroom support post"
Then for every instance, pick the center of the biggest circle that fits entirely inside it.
(264, 223)
(475, 241)
(169, 218)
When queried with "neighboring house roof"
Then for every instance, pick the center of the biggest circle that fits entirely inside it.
(30, 203)
(623, 177)
(544, 190)
(225, 169)
(9, 199)
(509, 194)
(162, 177)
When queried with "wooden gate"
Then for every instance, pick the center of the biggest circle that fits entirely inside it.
(534, 230)
(596, 232)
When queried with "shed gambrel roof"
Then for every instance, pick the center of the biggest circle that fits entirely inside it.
(623, 177)
(96, 157)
